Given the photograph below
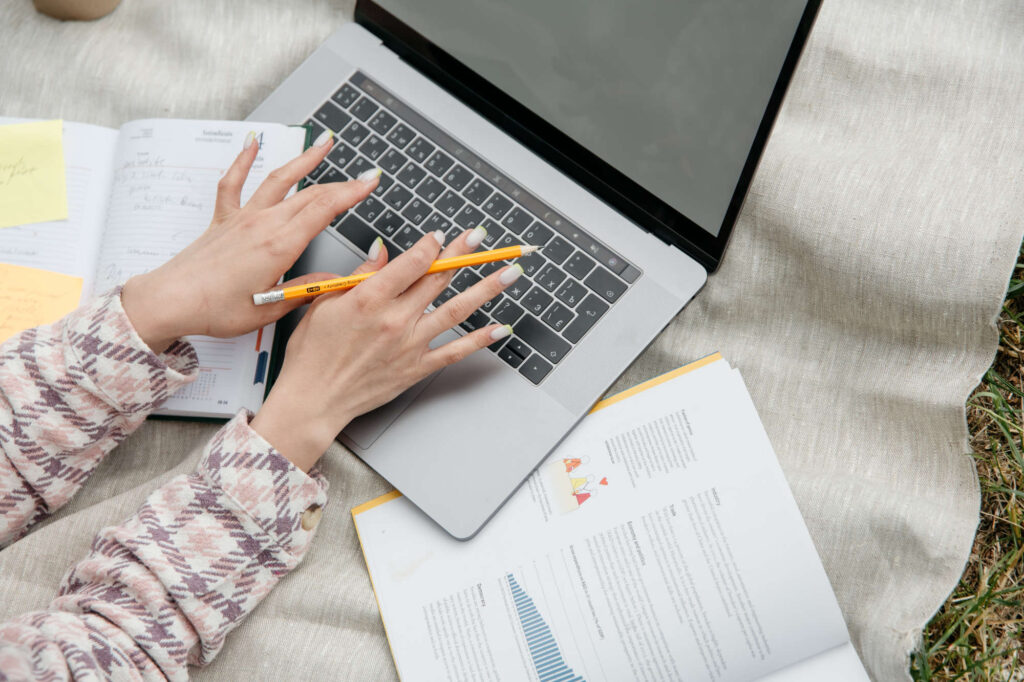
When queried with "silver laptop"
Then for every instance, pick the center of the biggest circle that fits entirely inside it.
(621, 136)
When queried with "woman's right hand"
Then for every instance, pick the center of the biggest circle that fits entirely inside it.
(357, 350)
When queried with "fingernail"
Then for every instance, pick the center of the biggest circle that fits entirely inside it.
(369, 175)
(374, 253)
(474, 238)
(249, 139)
(511, 274)
(323, 139)
(439, 236)
(502, 332)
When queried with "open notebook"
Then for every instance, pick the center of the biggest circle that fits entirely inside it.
(659, 541)
(138, 195)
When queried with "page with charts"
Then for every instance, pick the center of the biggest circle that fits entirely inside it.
(659, 541)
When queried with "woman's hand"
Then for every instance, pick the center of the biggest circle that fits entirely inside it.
(207, 288)
(357, 350)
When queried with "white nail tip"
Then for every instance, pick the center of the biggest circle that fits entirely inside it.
(474, 238)
(511, 274)
(439, 236)
(324, 138)
(501, 332)
(374, 252)
(249, 139)
(369, 175)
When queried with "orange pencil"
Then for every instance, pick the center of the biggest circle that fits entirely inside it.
(340, 283)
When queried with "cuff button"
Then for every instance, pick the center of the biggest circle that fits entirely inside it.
(311, 516)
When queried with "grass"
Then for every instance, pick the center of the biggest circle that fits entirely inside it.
(978, 634)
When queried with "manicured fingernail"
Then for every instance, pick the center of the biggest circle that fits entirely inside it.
(374, 253)
(249, 139)
(439, 236)
(502, 332)
(511, 274)
(369, 175)
(323, 139)
(474, 238)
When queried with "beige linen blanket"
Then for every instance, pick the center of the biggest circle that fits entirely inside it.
(857, 297)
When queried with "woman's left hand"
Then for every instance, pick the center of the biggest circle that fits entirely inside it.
(207, 288)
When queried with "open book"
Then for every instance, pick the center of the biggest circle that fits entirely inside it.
(659, 541)
(136, 197)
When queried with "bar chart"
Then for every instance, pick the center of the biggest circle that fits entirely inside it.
(547, 658)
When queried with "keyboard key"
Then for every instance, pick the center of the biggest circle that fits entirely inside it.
(439, 163)
(357, 166)
(507, 312)
(537, 234)
(517, 289)
(452, 233)
(477, 191)
(363, 109)
(494, 233)
(507, 240)
(430, 189)
(392, 161)
(370, 208)
(475, 321)
(319, 170)
(342, 155)
(345, 96)
(416, 211)
(578, 265)
(536, 334)
(400, 135)
(489, 306)
(436, 222)
(571, 292)
(557, 316)
(315, 127)
(354, 133)
(488, 268)
(517, 220)
(558, 249)
(406, 237)
(411, 175)
(465, 279)
(332, 117)
(450, 203)
(509, 355)
(445, 296)
(497, 206)
(389, 223)
(588, 312)
(536, 301)
(535, 369)
(374, 147)
(384, 184)
(630, 274)
(607, 285)
(353, 228)
(469, 217)
(332, 175)
(382, 122)
(420, 149)
(550, 277)
(531, 263)
(518, 347)
(457, 177)
(398, 197)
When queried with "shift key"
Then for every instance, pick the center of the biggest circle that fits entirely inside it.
(547, 343)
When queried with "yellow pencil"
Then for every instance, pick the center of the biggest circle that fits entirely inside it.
(340, 283)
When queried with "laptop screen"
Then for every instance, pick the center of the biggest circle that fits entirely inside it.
(669, 93)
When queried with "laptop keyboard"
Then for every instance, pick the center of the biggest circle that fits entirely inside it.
(432, 182)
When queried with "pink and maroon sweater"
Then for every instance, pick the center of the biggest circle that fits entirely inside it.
(163, 589)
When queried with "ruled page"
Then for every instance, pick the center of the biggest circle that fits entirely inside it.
(162, 197)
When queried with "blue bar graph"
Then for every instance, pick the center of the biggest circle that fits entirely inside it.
(547, 659)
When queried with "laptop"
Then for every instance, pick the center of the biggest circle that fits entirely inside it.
(620, 136)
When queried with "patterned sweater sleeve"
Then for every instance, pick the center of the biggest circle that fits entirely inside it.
(162, 590)
(70, 392)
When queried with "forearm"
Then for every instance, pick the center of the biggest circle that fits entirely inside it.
(69, 392)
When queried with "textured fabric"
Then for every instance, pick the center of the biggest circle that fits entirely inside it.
(857, 297)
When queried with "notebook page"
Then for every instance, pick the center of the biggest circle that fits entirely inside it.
(660, 541)
(71, 246)
(162, 197)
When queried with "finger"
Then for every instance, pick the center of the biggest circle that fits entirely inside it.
(401, 273)
(464, 346)
(229, 189)
(461, 306)
(357, 190)
(317, 206)
(429, 287)
(280, 180)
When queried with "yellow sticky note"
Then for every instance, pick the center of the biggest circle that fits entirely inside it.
(31, 297)
(32, 185)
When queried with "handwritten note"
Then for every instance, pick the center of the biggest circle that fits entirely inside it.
(31, 297)
(32, 185)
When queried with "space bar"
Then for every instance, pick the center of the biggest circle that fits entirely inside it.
(550, 346)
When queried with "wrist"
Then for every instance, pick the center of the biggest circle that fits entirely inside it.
(150, 313)
(286, 422)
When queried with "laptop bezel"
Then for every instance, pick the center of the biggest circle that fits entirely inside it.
(558, 149)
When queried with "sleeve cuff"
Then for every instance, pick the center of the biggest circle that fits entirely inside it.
(280, 498)
(117, 360)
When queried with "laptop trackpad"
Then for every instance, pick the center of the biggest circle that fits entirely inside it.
(366, 429)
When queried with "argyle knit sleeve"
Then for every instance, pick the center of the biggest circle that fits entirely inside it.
(69, 392)
(163, 589)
